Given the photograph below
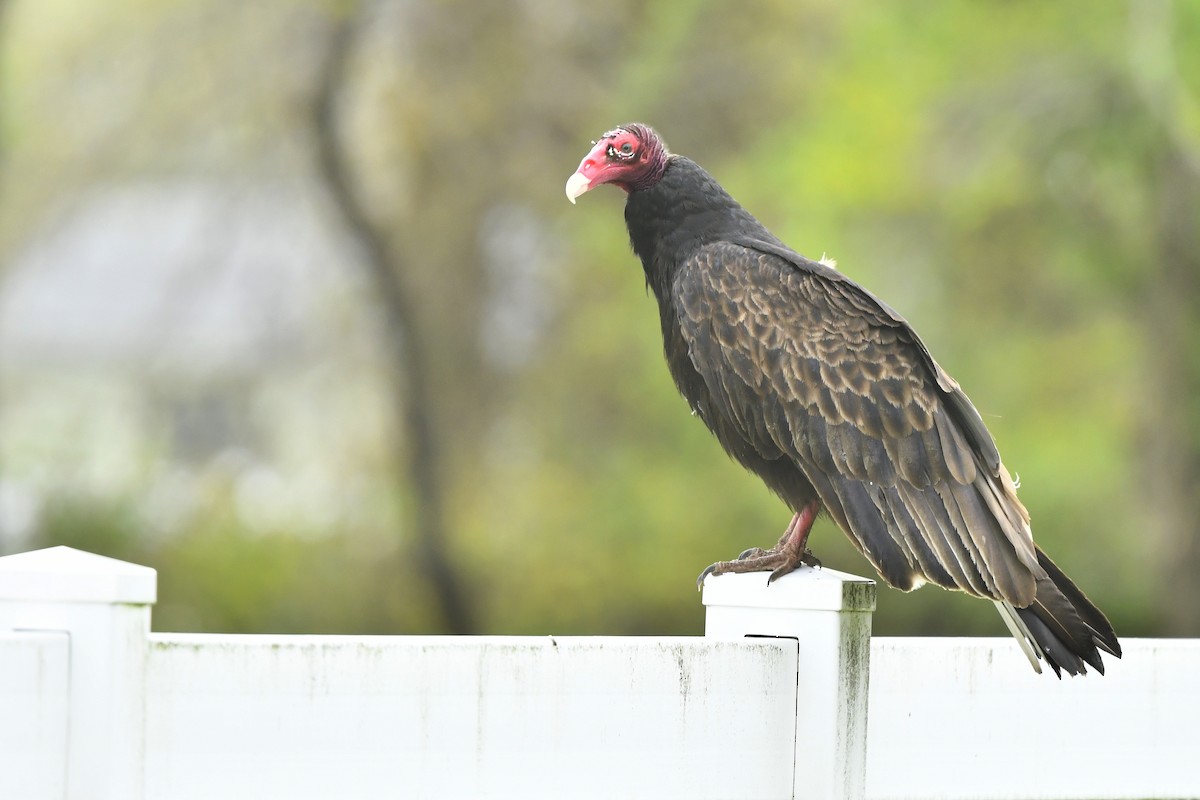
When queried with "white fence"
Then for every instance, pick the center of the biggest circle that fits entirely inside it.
(93, 705)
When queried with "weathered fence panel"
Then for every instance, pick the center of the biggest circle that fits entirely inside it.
(33, 714)
(438, 717)
(968, 718)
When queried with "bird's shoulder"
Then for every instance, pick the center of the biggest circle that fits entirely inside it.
(780, 321)
(773, 278)
(759, 296)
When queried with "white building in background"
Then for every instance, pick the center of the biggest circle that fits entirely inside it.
(157, 334)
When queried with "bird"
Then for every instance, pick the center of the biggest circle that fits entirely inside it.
(829, 396)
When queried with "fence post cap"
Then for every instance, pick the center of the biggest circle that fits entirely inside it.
(64, 574)
(807, 588)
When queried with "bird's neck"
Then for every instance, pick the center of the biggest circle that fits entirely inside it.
(684, 211)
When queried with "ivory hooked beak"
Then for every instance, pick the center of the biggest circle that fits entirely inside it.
(577, 184)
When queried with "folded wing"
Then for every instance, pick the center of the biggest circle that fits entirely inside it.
(808, 365)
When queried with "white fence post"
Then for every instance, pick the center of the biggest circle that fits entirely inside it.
(104, 607)
(828, 613)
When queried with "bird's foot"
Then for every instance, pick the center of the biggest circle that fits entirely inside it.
(778, 561)
(781, 559)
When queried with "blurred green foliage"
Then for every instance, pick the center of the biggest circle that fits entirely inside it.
(993, 170)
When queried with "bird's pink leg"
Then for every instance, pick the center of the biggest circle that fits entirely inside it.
(787, 555)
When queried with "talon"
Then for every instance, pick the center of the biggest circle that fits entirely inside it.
(779, 573)
(753, 552)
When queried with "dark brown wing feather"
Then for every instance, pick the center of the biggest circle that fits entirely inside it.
(808, 365)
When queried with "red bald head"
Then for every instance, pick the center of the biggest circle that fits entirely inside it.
(632, 157)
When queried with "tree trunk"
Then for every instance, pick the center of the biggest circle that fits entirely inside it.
(418, 451)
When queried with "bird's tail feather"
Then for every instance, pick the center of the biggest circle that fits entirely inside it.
(1020, 632)
(1061, 625)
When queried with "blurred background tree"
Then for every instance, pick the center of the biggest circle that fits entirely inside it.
(292, 307)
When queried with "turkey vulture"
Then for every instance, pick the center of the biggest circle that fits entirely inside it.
(829, 396)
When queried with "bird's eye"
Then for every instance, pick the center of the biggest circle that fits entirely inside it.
(624, 153)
